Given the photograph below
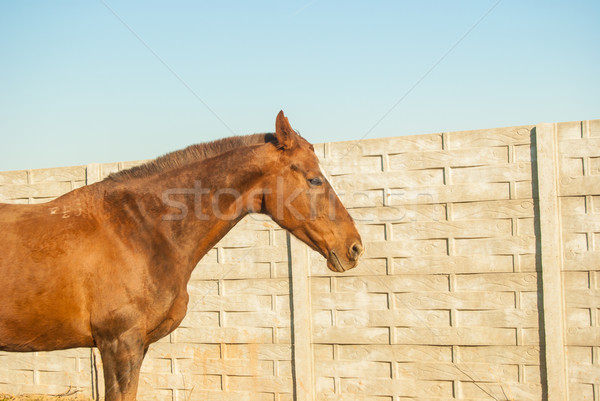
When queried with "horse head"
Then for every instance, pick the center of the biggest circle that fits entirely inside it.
(299, 198)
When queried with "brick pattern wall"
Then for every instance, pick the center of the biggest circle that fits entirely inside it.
(579, 189)
(36, 186)
(446, 303)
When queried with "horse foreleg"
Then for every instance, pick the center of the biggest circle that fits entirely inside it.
(122, 359)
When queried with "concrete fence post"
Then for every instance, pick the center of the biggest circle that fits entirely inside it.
(546, 148)
(301, 319)
(92, 173)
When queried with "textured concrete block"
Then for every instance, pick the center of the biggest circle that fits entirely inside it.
(495, 246)
(45, 190)
(392, 179)
(239, 303)
(498, 318)
(13, 376)
(77, 173)
(490, 137)
(351, 165)
(518, 391)
(358, 335)
(499, 354)
(455, 158)
(13, 177)
(482, 372)
(395, 353)
(260, 384)
(402, 317)
(497, 282)
(475, 300)
(276, 352)
(452, 229)
(258, 319)
(493, 210)
(498, 173)
(377, 284)
(273, 286)
(455, 336)
(216, 335)
(353, 369)
(449, 193)
(241, 270)
(569, 130)
(390, 387)
(379, 146)
(454, 264)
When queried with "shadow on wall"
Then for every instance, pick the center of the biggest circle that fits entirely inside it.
(538, 265)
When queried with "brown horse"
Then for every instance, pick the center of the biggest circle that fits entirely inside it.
(107, 265)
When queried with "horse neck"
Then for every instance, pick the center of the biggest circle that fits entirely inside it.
(193, 207)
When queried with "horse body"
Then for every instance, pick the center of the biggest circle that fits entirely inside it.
(107, 265)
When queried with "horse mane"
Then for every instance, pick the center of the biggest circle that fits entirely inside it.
(189, 155)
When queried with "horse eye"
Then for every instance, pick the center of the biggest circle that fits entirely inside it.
(315, 181)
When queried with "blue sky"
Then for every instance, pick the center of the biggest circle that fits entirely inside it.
(102, 81)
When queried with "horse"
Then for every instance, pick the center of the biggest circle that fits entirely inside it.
(107, 265)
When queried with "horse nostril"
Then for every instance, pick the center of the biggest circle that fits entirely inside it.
(355, 251)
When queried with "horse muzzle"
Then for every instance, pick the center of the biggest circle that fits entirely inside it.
(340, 265)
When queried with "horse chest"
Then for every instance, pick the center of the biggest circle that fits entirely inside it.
(170, 320)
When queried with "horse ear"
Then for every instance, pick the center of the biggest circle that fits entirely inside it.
(284, 132)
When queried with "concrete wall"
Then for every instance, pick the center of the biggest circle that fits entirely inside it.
(481, 280)
(578, 176)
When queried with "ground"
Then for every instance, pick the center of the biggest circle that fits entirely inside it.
(42, 397)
